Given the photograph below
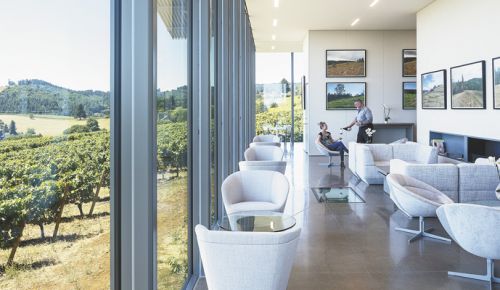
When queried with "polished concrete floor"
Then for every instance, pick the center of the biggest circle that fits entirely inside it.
(355, 246)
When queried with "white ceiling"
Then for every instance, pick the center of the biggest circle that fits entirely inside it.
(296, 17)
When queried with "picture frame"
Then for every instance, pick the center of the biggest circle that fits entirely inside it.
(434, 90)
(341, 95)
(409, 95)
(495, 63)
(468, 86)
(341, 63)
(409, 59)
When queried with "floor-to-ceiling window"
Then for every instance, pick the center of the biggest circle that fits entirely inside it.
(54, 144)
(172, 135)
(214, 114)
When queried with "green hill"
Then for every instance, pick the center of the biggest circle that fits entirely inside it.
(41, 97)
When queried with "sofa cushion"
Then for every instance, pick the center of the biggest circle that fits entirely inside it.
(380, 152)
(477, 182)
(404, 151)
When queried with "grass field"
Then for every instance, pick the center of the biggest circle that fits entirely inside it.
(342, 103)
(467, 99)
(347, 68)
(497, 96)
(434, 98)
(47, 125)
(410, 100)
(80, 257)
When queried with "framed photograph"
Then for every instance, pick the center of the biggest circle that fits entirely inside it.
(468, 86)
(496, 82)
(434, 92)
(341, 95)
(409, 62)
(409, 95)
(346, 63)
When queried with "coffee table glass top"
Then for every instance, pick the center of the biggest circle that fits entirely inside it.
(337, 195)
(257, 221)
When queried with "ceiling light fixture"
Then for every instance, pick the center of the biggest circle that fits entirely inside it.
(276, 3)
(273, 47)
(374, 3)
(275, 22)
(273, 37)
(355, 22)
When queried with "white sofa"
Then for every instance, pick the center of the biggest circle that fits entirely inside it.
(365, 158)
(464, 182)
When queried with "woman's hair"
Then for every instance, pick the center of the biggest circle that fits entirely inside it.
(321, 124)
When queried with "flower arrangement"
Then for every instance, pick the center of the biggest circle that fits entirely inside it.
(369, 132)
(387, 113)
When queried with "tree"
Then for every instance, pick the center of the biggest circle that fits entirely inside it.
(285, 84)
(93, 125)
(274, 105)
(30, 132)
(12, 128)
(340, 89)
(5, 128)
(32, 117)
(76, 129)
(80, 112)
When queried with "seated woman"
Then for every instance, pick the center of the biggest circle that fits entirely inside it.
(325, 139)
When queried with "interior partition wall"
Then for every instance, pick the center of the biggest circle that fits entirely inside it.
(184, 101)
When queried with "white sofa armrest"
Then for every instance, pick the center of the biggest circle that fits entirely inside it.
(364, 156)
(426, 154)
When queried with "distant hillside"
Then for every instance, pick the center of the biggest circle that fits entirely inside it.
(41, 97)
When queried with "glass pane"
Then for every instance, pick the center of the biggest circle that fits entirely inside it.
(273, 95)
(172, 141)
(54, 144)
(213, 112)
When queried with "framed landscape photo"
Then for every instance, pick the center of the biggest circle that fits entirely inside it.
(341, 95)
(409, 62)
(468, 86)
(496, 82)
(409, 95)
(345, 63)
(433, 85)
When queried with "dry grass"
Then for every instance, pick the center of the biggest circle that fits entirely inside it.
(410, 68)
(468, 99)
(350, 68)
(78, 259)
(47, 125)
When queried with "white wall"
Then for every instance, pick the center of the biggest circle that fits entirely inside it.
(383, 77)
(451, 33)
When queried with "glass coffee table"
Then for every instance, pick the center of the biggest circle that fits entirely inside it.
(257, 221)
(343, 194)
(384, 170)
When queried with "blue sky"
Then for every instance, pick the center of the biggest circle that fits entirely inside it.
(67, 42)
(352, 88)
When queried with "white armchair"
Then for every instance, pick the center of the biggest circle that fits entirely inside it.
(247, 260)
(263, 140)
(327, 152)
(442, 176)
(416, 199)
(278, 166)
(255, 190)
(264, 153)
(476, 229)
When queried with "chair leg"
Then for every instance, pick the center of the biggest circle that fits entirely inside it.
(422, 232)
(489, 277)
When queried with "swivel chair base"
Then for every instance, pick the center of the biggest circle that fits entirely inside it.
(422, 232)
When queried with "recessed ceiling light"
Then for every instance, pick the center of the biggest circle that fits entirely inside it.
(374, 3)
(275, 22)
(273, 47)
(355, 22)
(273, 37)
(276, 3)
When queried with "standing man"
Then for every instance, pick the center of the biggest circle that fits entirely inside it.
(363, 120)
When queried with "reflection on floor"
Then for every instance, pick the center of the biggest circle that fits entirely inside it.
(354, 245)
